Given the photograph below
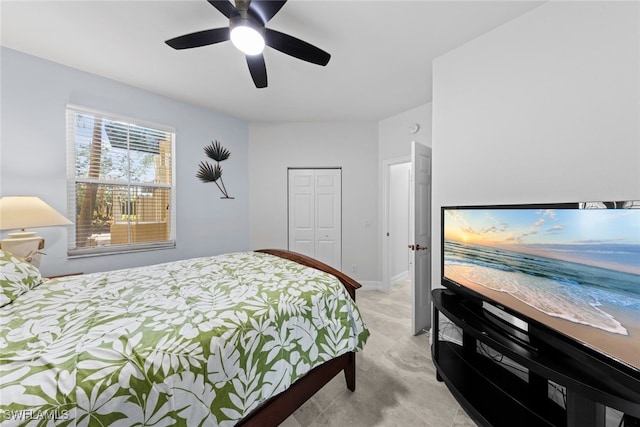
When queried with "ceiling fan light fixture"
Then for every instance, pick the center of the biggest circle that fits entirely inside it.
(247, 38)
(246, 30)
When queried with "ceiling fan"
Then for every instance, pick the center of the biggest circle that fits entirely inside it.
(247, 31)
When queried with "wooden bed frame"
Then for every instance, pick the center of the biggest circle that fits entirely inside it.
(275, 410)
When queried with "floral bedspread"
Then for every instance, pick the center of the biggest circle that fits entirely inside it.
(199, 342)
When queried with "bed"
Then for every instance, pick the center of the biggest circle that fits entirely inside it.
(235, 339)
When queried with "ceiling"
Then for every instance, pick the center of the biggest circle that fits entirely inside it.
(380, 66)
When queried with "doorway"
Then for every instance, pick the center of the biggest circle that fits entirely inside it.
(315, 214)
(399, 216)
(418, 249)
(395, 189)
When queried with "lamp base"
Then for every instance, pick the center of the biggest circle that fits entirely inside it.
(24, 244)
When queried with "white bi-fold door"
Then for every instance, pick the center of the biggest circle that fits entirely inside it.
(315, 214)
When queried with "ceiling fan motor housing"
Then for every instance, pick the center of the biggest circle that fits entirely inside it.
(246, 32)
(246, 21)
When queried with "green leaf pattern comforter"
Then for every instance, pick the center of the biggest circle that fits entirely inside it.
(195, 342)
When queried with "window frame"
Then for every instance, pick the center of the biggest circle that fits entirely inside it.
(73, 251)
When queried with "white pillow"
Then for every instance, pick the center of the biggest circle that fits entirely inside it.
(17, 276)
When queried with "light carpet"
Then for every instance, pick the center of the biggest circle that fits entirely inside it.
(395, 381)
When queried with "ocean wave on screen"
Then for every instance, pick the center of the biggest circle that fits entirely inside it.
(557, 298)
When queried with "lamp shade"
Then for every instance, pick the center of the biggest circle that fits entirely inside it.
(19, 212)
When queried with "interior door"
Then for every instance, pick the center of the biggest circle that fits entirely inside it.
(301, 212)
(315, 214)
(420, 224)
(328, 230)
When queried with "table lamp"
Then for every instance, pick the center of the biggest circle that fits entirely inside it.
(20, 212)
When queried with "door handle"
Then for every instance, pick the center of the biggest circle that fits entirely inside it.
(418, 248)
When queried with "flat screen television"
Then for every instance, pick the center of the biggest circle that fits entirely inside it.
(572, 269)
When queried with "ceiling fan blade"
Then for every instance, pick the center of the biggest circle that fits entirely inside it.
(200, 38)
(224, 6)
(258, 70)
(296, 47)
(265, 9)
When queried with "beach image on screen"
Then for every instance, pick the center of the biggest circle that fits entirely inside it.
(576, 270)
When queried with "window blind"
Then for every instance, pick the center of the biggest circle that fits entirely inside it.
(120, 183)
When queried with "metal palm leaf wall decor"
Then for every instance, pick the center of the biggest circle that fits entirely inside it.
(213, 173)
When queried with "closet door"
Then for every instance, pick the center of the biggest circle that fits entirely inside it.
(315, 214)
(301, 211)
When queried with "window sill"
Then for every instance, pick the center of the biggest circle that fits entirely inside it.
(119, 249)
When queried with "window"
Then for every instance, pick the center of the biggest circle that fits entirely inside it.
(120, 183)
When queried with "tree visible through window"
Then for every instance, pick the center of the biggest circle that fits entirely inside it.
(120, 183)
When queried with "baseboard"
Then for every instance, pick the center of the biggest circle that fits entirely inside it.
(371, 285)
(399, 277)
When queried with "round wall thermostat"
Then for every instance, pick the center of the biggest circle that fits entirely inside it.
(413, 128)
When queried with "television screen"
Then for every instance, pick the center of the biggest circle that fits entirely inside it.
(573, 268)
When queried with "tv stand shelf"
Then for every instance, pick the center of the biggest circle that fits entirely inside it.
(497, 395)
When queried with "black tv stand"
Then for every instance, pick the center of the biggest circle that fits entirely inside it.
(629, 421)
(493, 394)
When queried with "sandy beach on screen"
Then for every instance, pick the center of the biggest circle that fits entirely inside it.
(625, 348)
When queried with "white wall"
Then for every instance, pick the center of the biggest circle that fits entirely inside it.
(543, 109)
(274, 147)
(394, 138)
(33, 158)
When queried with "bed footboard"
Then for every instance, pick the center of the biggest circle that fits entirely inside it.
(275, 410)
(350, 284)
